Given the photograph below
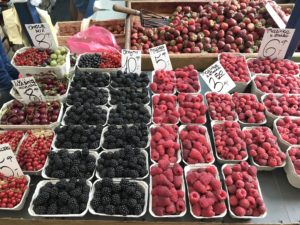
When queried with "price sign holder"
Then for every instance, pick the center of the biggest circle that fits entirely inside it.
(9, 165)
(217, 79)
(160, 58)
(131, 61)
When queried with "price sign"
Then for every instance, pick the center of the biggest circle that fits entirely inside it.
(28, 89)
(217, 78)
(41, 35)
(9, 165)
(160, 58)
(131, 61)
(275, 43)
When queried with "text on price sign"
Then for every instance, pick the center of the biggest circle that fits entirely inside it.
(160, 58)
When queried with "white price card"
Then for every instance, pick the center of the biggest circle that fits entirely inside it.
(218, 79)
(277, 19)
(9, 165)
(131, 61)
(41, 35)
(28, 90)
(275, 43)
(160, 58)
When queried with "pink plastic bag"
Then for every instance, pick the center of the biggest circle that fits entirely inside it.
(93, 39)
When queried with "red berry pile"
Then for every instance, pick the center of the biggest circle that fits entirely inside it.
(283, 105)
(248, 108)
(278, 84)
(195, 145)
(163, 82)
(32, 57)
(165, 109)
(289, 130)
(34, 149)
(167, 189)
(273, 66)
(229, 141)
(12, 137)
(12, 190)
(294, 154)
(235, 66)
(263, 147)
(110, 60)
(192, 108)
(205, 192)
(164, 143)
(243, 188)
(187, 79)
(220, 106)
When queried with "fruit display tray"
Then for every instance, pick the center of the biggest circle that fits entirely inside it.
(292, 176)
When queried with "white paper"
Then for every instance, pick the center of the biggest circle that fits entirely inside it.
(28, 90)
(275, 43)
(41, 36)
(160, 58)
(131, 61)
(9, 165)
(218, 79)
(277, 19)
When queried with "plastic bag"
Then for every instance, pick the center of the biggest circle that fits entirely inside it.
(93, 39)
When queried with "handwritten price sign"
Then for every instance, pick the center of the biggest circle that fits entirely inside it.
(41, 35)
(28, 89)
(131, 61)
(275, 43)
(8, 163)
(160, 58)
(218, 79)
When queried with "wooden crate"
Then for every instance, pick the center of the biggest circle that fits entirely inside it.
(166, 7)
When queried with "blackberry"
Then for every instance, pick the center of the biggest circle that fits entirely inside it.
(138, 209)
(82, 207)
(41, 198)
(76, 192)
(52, 209)
(105, 200)
(137, 195)
(58, 174)
(100, 209)
(39, 209)
(95, 203)
(107, 182)
(124, 183)
(64, 210)
(116, 188)
(110, 210)
(115, 199)
(106, 191)
(131, 203)
(130, 190)
(123, 210)
(63, 196)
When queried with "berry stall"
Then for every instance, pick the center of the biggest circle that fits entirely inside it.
(105, 137)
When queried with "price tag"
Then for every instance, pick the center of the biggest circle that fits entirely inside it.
(160, 58)
(277, 19)
(9, 165)
(41, 35)
(131, 61)
(275, 43)
(29, 90)
(218, 79)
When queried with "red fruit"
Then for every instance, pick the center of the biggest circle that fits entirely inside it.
(187, 79)
(165, 108)
(163, 82)
(289, 130)
(294, 154)
(194, 197)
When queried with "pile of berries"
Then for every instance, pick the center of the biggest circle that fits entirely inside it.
(187, 79)
(167, 190)
(294, 154)
(207, 198)
(120, 79)
(165, 109)
(289, 130)
(163, 82)
(102, 60)
(87, 79)
(129, 95)
(11, 137)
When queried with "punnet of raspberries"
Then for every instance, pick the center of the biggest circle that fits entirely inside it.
(164, 143)
(163, 82)
(220, 106)
(206, 196)
(187, 79)
(165, 109)
(273, 66)
(263, 147)
(195, 145)
(294, 154)
(289, 130)
(243, 188)
(248, 108)
(282, 105)
(236, 67)
(229, 141)
(12, 190)
(191, 109)
(12, 137)
(167, 190)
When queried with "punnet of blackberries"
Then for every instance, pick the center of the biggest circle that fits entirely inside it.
(61, 198)
(118, 198)
(120, 79)
(129, 95)
(128, 162)
(65, 164)
(78, 137)
(95, 79)
(135, 136)
(86, 114)
(93, 95)
(89, 61)
(129, 114)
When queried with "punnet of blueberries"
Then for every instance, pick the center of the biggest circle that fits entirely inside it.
(95, 79)
(127, 162)
(120, 79)
(64, 164)
(118, 198)
(129, 114)
(129, 95)
(90, 61)
(63, 197)
(78, 136)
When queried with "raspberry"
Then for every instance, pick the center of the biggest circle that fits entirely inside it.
(177, 181)
(219, 208)
(244, 203)
(177, 170)
(239, 211)
(191, 178)
(163, 164)
(169, 174)
(208, 212)
(199, 187)
(194, 197)
(221, 194)
(233, 200)
(206, 178)
(174, 195)
(196, 209)
(180, 205)
(155, 170)
(163, 201)
(241, 193)
(171, 209)
(206, 202)
(162, 191)
(215, 184)
(159, 211)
